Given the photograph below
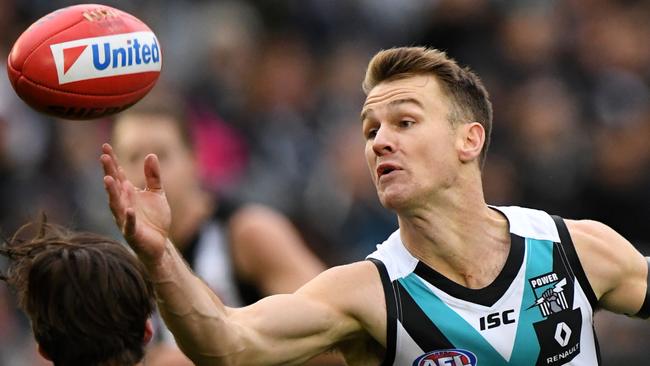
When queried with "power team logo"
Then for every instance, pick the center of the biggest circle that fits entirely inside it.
(98, 57)
(549, 294)
(559, 332)
(447, 357)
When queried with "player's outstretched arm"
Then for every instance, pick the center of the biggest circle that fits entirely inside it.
(617, 272)
(284, 329)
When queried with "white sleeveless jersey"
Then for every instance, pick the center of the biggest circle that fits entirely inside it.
(213, 264)
(537, 312)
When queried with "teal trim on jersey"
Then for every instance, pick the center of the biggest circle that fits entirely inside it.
(539, 261)
(459, 332)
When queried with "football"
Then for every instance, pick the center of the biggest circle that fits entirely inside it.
(84, 62)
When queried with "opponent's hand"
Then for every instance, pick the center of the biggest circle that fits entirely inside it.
(143, 215)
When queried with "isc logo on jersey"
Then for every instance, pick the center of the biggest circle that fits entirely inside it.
(446, 357)
(98, 57)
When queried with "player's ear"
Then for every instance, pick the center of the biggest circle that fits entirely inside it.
(471, 137)
(42, 352)
(148, 332)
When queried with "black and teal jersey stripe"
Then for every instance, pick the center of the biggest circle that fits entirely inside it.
(538, 311)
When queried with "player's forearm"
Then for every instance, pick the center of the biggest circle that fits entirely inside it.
(194, 314)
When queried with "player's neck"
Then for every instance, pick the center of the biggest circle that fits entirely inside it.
(460, 237)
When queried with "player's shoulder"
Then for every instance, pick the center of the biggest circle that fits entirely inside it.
(604, 253)
(253, 212)
(354, 276)
(590, 229)
(253, 225)
(596, 238)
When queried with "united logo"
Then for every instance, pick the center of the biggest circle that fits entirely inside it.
(106, 56)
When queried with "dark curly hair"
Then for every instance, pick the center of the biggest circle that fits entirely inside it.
(87, 296)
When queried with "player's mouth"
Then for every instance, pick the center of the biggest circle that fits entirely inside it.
(386, 169)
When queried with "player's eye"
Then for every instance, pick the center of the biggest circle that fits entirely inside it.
(405, 123)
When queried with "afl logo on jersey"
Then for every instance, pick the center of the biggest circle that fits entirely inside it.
(446, 357)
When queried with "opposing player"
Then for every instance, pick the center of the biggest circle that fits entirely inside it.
(241, 251)
(88, 298)
(460, 282)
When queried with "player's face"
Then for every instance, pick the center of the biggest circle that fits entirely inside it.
(410, 143)
(136, 136)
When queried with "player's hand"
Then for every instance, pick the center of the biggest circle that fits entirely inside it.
(549, 295)
(143, 215)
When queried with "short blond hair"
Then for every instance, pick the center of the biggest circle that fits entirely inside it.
(468, 97)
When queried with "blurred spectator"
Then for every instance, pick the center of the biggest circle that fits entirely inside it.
(342, 200)
(618, 191)
(550, 150)
(279, 123)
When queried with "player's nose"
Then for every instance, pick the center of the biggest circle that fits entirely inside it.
(383, 142)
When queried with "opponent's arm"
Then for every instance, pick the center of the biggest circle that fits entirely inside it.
(617, 272)
(269, 252)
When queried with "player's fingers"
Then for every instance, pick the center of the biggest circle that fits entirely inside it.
(152, 173)
(129, 224)
(121, 175)
(110, 169)
(116, 169)
(107, 165)
(114, 201)
(106, 148)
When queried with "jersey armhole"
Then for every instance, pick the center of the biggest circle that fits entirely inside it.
(569, 250)
(391, 312)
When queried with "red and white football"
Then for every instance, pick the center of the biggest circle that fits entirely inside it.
(85, 61)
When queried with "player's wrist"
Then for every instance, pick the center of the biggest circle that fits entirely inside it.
(161, 267)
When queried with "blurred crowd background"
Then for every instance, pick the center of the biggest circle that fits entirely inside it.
(273, 91)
